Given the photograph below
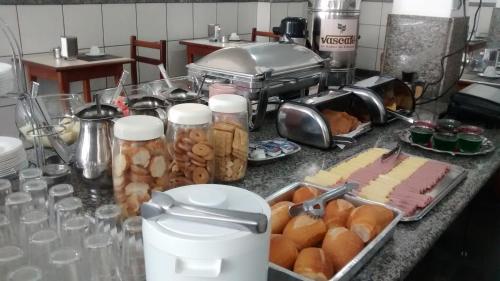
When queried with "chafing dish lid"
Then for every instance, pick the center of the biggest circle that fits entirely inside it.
(256, 59)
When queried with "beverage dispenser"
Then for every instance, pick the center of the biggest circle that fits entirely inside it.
(333, 34)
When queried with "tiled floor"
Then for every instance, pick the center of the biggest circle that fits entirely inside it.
(470, 249)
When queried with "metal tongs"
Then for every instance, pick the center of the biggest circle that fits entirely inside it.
(315, 208)
(162, 203)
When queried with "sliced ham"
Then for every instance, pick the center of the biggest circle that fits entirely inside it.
(375, 169)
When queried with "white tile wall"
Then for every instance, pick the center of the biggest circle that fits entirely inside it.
(278, 12)
(366, 58)
(263, 19)
(152, 21)
(148, 72)
(227, 17)
(119, 22)
(176, 59)
(381, 37)
(179, 21)
(297, 9)
(9, 14)
(203, 15)
(41, 27)
(369, 35)
(247, 17)
(371, 13)
(84, 22)
(386, 10)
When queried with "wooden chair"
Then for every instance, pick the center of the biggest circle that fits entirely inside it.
(256, 33)
(134, 43)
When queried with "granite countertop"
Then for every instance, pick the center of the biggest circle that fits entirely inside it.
(411, 241)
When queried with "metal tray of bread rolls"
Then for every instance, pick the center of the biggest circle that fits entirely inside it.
(278, 273)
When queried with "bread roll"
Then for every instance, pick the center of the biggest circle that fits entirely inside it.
(341, 245)
(313, 263)
(304, 193)
(368, 220)
(280, 216)
(283, 251)
(305, 231)
(336, 213)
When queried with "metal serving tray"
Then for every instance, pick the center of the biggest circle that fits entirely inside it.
(278, 273)
(450, 181)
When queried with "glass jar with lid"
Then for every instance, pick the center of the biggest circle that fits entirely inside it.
(140, 161)
(190, 144)
(230, 125)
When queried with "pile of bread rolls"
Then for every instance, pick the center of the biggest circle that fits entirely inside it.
(318, 248)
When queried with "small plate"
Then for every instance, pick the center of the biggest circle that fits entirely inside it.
(286, 148)
(488, 76)
(486, 147)
(95, 55)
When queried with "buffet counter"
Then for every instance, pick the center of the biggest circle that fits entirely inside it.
(411, 241)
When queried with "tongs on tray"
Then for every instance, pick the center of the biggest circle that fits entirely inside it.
(315, 208)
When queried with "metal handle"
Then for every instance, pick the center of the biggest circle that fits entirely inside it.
(342, 140)
(119, 87)
(254, 222)
(401, 116)
(165, 76)
(338, 191)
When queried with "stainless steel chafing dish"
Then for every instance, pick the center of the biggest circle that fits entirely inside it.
(263, 70)
(300, 120)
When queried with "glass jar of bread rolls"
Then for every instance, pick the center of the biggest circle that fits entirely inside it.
(230, 123)
(140, 161)
(190, 144)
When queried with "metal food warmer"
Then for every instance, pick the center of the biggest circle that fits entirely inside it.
(267, 70)
(301, 119)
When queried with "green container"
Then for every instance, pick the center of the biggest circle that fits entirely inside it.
(444, 141)
(468, 142)
(421, 134)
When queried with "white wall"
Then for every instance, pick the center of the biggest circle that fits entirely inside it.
(431, 8)
(372, 27)
(38, 28)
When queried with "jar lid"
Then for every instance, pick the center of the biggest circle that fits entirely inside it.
(190, 114)
(139, 128)
(225, 103)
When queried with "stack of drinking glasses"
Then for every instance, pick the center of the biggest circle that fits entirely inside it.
(45, 235)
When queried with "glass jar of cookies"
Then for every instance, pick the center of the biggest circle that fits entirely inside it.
(140, 161)
(230, 124)
(190, 144)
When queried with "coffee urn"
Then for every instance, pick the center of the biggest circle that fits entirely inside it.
(333, 33)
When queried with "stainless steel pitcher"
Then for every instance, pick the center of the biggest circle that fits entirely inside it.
(93, 150)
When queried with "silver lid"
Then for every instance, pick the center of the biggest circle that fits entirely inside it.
(257, 59)
(339, 5)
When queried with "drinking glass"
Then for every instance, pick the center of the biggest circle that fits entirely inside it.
(5, 189)
(66, 264)
(32, 222)
(10, 257)
(41, 244)
(16, 204)
(38, 190)
(108, 220)
(26, 273)
(29, 174)
(56, 193)
(75, 230)
(132, 250)
(67, 208)
(102, 258)
(6, 234)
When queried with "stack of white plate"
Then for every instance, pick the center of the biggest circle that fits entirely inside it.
(6, 78)
(12, 156)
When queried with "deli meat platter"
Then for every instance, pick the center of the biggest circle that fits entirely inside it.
(409, 183)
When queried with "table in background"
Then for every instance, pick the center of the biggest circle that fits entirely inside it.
(45, 66)
(203, 47)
